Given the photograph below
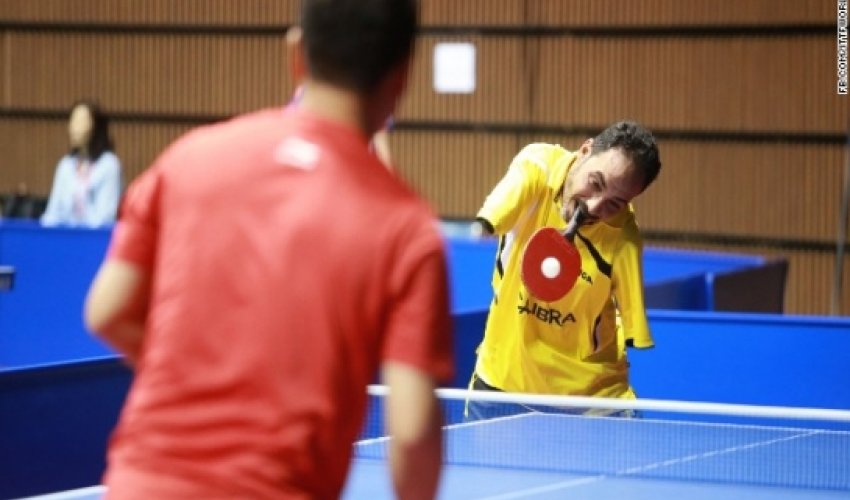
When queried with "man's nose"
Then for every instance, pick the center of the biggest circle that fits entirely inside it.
(594, 207)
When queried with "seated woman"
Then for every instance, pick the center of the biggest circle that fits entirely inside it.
(87, 183)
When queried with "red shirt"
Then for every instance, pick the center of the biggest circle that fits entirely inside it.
(287, 264)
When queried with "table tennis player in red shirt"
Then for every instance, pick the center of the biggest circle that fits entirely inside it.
(264, 270)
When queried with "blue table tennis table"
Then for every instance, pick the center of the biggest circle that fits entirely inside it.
(556, 456)
(549, 456)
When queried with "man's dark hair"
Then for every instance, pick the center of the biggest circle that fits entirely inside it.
(636, 142)
(355, 43)
(100, 140)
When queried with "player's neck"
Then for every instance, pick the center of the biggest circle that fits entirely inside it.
(337, 105)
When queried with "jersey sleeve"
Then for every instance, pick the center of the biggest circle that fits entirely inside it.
(135, 234)
(627, 277)
(526, 176)
(418, 326)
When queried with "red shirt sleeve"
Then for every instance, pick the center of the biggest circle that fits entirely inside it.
(419, 327)
(134, 236)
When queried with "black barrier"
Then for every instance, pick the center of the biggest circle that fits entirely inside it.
(7, 278)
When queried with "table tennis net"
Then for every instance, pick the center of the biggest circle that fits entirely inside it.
(601, 438)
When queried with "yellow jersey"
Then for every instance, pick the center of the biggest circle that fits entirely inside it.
(577, 344)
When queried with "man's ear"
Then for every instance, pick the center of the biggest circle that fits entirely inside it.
(397, 79)
(585, 148)
(295, 52)
(388, 93)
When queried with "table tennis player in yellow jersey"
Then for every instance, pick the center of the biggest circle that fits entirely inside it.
(574, 345)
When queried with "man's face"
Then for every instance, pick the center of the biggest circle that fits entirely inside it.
(605, 182)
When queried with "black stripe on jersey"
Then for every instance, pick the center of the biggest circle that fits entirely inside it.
(499, 267)
(604, 267)
(596, 333)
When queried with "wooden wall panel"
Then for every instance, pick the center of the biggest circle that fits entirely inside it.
(583, 13)
(692, 84)
(731, 83)
(453, 171)
(499, 95)
(32, 148)
(29, 152)
(139, 144)
(762, 190)
(214, 12)
(182, 74)
(472, 12)
(725, 83)
(810, 284)
(435, 12)
(5, 66)
(679, 13)
(748, 189)
(220, 75)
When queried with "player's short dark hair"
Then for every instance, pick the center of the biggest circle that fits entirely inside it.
(636, 142)
(355, 43)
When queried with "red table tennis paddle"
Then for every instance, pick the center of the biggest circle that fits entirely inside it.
(551, 263)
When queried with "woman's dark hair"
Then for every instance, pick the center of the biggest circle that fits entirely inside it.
(100, 140)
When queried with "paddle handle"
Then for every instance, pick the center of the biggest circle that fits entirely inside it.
(575, 221)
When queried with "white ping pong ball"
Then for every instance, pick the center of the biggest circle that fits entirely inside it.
(550, 267)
